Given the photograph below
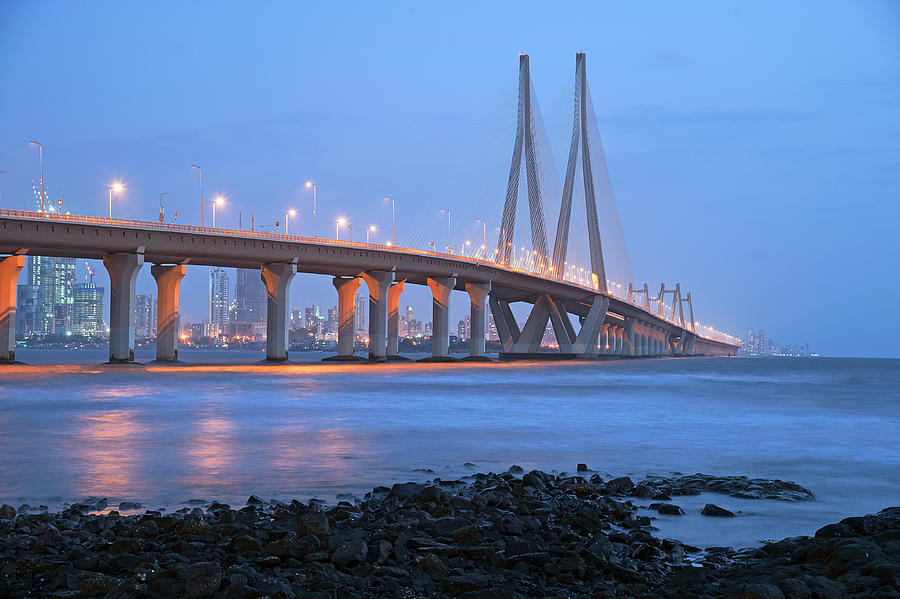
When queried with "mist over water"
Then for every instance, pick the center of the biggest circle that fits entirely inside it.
(163, 435)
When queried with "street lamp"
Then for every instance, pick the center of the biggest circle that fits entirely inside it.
(337, 228)
(483, 238)
(287, 219)
(161, 213)
(41, 150)
(371, 229)
(217, 202)
(447, 210)
(393, 220)
(115, 187)
(313, 185)
(201, 192)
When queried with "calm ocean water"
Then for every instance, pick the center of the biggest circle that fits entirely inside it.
(164, 435)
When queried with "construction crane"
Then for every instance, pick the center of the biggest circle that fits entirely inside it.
(90, 271)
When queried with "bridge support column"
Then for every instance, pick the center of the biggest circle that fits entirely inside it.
(440, 315)
(477, 298)
(393, 339)
(585, 344)
(123, 270)
(277, 279)
(606, 336)
(346, 289)
(621, 349)
(378, 282)
(630, 340)
(657, 340)
(10, 267)
(645, 339)
(507, 327)
(168, 283)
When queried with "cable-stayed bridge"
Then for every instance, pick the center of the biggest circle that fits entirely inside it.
(581, 284)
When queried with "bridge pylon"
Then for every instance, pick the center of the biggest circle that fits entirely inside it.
(524, 144)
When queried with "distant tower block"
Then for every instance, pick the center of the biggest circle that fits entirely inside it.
(524, 140)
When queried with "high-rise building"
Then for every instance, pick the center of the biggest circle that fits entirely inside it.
(313, 320)
(360, 313)
(218, 301)
(56, 276)
(464, 328)
(296, 320)
(491, 334)
(87, 317)
(250, 299)
(331, 320)
(144, 316)
(29, 310)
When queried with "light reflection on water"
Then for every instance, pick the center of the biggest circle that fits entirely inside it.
(164, 434)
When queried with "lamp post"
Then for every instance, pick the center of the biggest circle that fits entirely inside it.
(313, 185)
(217, 202)
(350, 228)
(393, 220)
(371, 229)
(161, 213)
(483, 238)
(287, 219)
(115, 187)
(447, 210)
(41, 150)
(201, 192)
(337, 228)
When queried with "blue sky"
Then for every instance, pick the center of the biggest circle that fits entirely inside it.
(753, 147)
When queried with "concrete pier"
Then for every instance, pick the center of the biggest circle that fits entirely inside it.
(393, 339)
(277, 279)
(440, 313)
(10, 267)
(630, 341)
(123, 270)
(168, 283)
(378, 282)
(477, 319)
(346, 289)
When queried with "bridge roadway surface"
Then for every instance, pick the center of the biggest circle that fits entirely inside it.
(32, 233)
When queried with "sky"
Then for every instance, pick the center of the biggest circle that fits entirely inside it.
(753, 147)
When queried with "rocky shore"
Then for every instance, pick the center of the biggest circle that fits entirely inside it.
(508, 535)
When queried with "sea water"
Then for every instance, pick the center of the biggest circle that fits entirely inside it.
(221, 426)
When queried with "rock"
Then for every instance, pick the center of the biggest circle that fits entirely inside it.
(404, 491)
(761, 591)
(200, 579)
(314, 523)
(244, 543)
(581, 468)
(430, 563)
(669, 509)
(514, 469)
(350, 552)
(711, 509)
(7, 512)
(534, 480)
(794, 588)
(822, 588)
(620, 486)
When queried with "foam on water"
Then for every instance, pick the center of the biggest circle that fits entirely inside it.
(162, 435)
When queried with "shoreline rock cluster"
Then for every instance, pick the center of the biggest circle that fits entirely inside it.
(509, 535)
